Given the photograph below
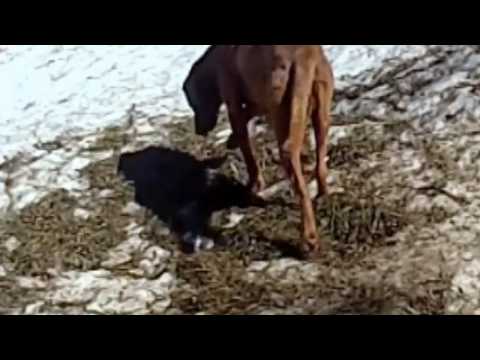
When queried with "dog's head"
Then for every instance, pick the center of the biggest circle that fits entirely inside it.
(202, 93)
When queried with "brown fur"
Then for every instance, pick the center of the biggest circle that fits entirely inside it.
(287, 84)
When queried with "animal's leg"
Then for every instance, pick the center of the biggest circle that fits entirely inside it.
(232, 142)
(190, 223)
(321, 123)
(239, 121)
(290, 128)
(308, 168)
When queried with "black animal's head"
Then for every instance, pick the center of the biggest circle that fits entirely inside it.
(202, 92)
(224, 192)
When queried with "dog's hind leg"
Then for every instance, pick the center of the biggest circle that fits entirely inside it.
(291, 125)
(323, 95)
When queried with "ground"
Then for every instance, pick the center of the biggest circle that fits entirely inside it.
(401, 224)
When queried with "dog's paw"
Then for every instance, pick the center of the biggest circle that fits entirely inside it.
(257, 186)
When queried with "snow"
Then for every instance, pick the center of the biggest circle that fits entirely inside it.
(49, 90)
(351, 60)
(52, 90)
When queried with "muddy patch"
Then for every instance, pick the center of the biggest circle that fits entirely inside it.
(383, 225)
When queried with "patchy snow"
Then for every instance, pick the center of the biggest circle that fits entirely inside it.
(351, 60)
(47, 91)
(106, 294)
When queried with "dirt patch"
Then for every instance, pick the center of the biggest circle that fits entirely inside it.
(13, 297)
(51, 233)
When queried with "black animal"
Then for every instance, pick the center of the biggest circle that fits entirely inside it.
(183, 191)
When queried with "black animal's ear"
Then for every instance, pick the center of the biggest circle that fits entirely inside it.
(201, 90)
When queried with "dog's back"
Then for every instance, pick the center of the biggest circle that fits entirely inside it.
(265, 70)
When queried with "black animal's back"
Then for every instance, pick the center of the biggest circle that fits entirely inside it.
(164, 179)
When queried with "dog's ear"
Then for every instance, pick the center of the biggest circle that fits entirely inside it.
(202, 92)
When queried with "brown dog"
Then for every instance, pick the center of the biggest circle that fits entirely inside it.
(287, 84)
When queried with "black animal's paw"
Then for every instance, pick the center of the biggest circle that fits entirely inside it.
(193, 244)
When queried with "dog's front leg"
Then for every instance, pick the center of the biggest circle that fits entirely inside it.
(239, 121)
(232, 142)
